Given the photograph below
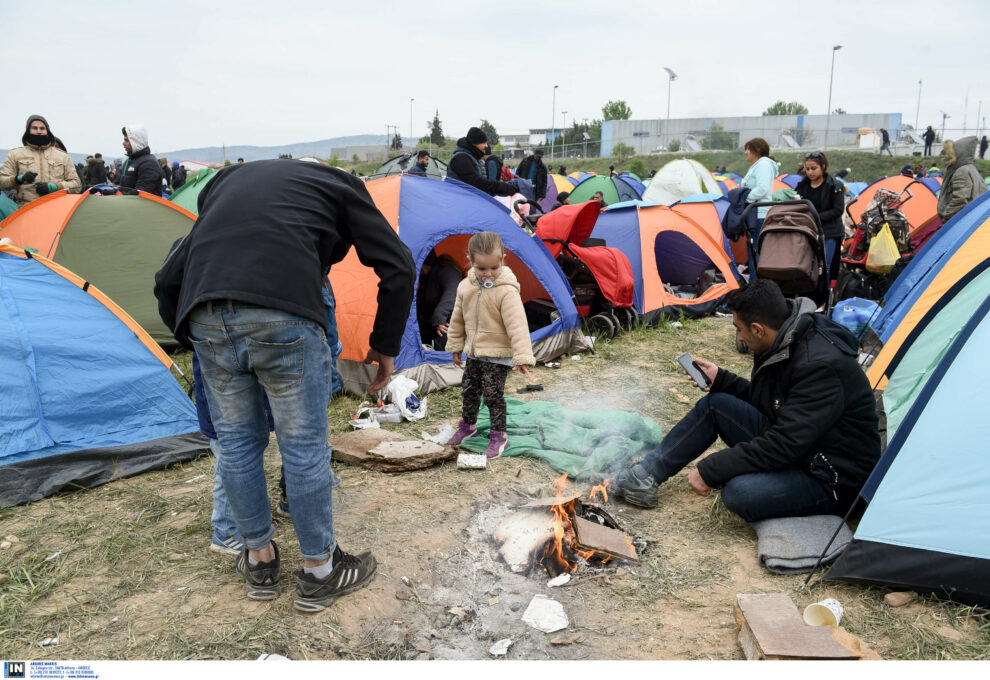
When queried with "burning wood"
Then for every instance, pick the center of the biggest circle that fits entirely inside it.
(578, 533)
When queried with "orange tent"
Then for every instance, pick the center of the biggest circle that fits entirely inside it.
(920, 206)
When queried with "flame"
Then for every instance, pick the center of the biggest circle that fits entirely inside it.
(600, 490)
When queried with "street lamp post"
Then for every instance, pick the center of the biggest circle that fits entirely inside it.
(944, 116)
(828, 114)
(671, 77)
(411, 100)
(553, 119)
(563, 132)
(917, 110)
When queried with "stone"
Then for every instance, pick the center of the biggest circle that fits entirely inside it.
(386, 451)
(900, 599)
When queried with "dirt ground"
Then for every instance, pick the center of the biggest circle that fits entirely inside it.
(123, 571)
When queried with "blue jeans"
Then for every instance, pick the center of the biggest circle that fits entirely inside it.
(788, 492)
(223, 517)
(333, 337)
(831, 245)
(244, 353)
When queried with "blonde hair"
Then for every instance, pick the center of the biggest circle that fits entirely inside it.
(486, 243)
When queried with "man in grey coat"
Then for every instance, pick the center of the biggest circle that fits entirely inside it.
(962, 181)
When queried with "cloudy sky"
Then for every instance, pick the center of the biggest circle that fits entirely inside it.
(269, 73)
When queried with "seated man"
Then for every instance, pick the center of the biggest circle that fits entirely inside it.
(801, 433)
(435, 297)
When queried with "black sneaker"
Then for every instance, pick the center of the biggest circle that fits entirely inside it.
(261, 580)
(350, 572)
(635, 486)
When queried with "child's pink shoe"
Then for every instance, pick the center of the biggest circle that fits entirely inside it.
(464, 431)
(497, 441)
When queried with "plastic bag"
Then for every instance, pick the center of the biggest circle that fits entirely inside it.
(402, 392)
(365, 417)
(883, 252)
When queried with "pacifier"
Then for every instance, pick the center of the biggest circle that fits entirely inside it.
(487, 283)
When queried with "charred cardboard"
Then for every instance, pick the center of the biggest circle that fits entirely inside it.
(386, 451)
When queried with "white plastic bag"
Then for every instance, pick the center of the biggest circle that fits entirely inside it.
(402, 392)
(364, 418)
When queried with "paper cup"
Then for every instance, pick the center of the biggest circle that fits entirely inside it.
(825, 613)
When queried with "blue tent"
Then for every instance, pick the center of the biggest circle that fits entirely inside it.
(927, 527)
(926, 265)
(87, 394)
(432, 215)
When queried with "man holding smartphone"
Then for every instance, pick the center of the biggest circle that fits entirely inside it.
(802, 432)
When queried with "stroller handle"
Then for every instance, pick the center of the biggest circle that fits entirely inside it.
(796, 201)
(531, 203)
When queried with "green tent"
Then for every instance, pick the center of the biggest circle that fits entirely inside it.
(116, 243)
(188, 194)
(7, 206)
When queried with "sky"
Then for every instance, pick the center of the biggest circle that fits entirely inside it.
(267, 73)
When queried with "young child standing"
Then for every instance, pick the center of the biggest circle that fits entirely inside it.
(489, 324)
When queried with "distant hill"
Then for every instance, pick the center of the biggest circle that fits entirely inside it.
(214, 154)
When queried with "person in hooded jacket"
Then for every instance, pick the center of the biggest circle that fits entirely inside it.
(141, 170)
(178, 176)
(96, 171)
(39, 167)
(467, 165)
(435, 297)
(533, 169)
(802, 433)
(759, 180)
(826, 194)
(962, 181)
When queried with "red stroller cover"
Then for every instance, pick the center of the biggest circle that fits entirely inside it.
(568, 227)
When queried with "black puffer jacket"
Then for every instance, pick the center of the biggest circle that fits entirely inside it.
(142, 173)
(832, 203)
(818, 404)
(539, 178)
(466, 165)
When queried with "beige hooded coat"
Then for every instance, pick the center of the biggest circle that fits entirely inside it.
(490, 322)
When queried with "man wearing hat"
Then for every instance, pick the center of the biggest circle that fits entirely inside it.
(467, 165)
(533, 169)
(141, 169)
(39, 167)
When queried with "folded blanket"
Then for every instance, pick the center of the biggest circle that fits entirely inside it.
(583, 443)
(792, 545)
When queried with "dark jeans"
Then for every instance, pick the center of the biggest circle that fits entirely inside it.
(928, 149)
(788, 492)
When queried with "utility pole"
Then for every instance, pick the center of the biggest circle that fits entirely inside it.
(917, 110)
(671, 77)
(411, 100)
(563, 133)
(944, 116)
(828, 114)
(553, 119)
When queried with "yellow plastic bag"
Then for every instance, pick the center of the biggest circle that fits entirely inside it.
(883, 252)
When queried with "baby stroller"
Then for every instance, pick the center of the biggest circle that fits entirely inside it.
(883, 209)
(600, 277)
(790, 250)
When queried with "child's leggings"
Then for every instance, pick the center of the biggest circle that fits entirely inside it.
(483, 378)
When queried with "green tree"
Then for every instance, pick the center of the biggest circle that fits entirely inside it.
(638, 167)
(718, 138)
(436, 130)
(355, 159)
(335, 161)
(396, 142)
(616, 110)
(782, 108)
(621, 150)
(674, 145)
(490, 132)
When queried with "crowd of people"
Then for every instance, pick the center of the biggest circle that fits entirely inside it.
(247, 291)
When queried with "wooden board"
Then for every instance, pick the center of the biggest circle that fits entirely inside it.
(593, 536)
(770, 627)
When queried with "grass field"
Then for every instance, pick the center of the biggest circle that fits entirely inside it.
(123, 571)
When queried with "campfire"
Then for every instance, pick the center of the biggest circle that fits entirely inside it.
(561, 533)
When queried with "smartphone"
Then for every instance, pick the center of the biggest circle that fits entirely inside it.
(693, 370)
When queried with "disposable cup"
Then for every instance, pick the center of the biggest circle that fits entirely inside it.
(825, 613)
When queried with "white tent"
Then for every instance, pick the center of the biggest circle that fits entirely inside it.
(680, 179)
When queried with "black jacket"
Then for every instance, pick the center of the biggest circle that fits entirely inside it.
(929, 136)
(732, 223)
(466, 165)
(178, 177)
(265, 234)
(819, 407)
(95, 172)
(833, 202)
(539, 179)
(435, 298)
(141, 173)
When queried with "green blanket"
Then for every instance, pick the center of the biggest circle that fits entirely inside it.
(581, 443)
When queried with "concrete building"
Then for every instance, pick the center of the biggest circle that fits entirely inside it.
(800, 131)
(371, 152)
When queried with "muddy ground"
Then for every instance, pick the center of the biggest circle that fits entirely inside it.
(123, 571)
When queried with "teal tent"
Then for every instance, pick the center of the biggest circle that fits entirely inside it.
(188, 194)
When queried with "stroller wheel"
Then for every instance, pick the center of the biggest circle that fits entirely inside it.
(627, 317)
(601, 325)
